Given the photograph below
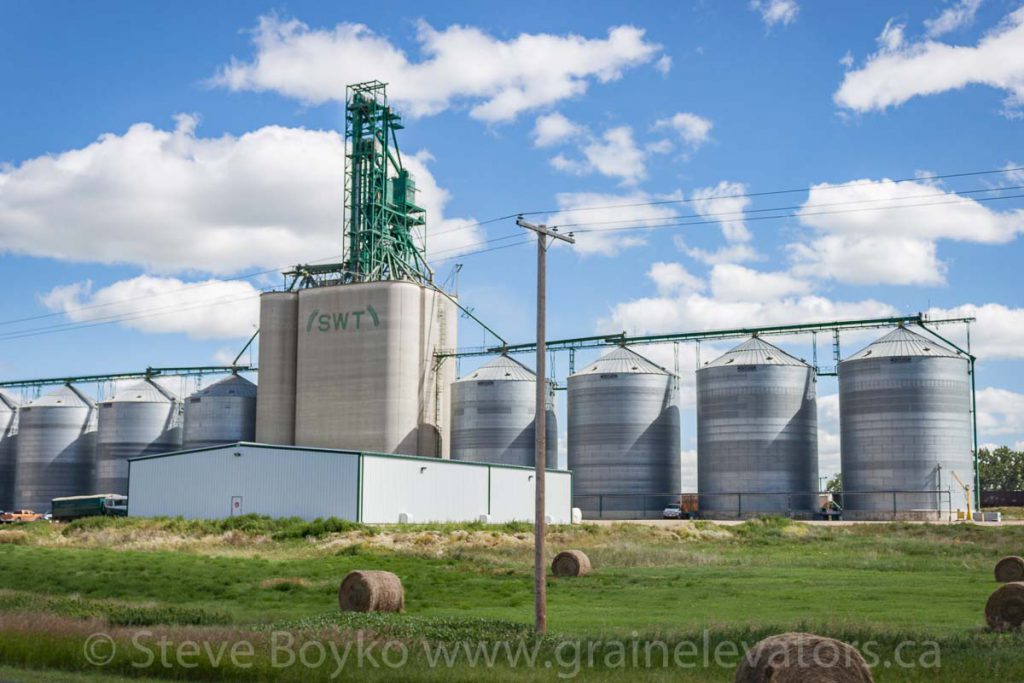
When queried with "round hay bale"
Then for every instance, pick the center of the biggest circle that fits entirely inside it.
(571, 563)
(1010, 569)
(1005, 607)
(371, 591)
(803, 658)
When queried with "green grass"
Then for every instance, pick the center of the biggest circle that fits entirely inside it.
(245, 579)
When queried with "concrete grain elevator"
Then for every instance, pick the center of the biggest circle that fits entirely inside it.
(347, 355)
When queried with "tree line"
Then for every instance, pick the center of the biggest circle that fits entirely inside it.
(1001, 469)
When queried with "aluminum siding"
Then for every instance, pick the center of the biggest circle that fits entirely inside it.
(278, 482)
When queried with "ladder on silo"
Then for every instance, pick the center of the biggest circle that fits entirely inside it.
(442, 343)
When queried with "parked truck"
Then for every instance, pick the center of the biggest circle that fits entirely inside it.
(15, 516)
(99, 505)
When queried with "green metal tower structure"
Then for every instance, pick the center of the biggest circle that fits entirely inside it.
(385, 230)
(384, 227)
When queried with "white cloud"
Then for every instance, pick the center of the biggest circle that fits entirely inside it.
(869, 260)
(203, 310)
(891, 37)
(997, 334)
(224, 356)
(960, 14)
(776, 11)
(732, 253)
(500, 78)
(615, 155)
(609, 212)
(170, 201)
(551, 129)
(692, 311)
(662, 146)
(885, 232)
(671, 278)
(663, 65)
(693, 129)
(847, 59)
(900, 71)
(560, 162)
(723, 204)
(446, 237)
(1000, 413)
(1014, 172)
(730, 282)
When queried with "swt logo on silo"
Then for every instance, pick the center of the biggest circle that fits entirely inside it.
(341, 322)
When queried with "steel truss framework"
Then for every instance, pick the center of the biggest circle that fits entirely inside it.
(148, 373)
(382, 211)
(833, 327)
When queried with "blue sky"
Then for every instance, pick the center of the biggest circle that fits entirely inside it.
(154, 152)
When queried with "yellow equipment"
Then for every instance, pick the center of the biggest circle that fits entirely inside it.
(967, 492)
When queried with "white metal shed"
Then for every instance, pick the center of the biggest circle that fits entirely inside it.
(293, 481)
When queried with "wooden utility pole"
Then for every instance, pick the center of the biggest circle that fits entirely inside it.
(540, 597)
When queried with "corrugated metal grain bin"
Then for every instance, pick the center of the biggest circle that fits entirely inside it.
(757, 433)
(493, 415)
(624, 436)
(905, 422)
(140, 419)
(8, 448)
(224, 412)
(56, 448)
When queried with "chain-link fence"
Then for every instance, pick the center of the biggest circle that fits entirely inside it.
(854, 505)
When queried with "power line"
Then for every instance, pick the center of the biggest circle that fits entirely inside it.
(795, 207)
(793, 215)
(527, 213)
(710, 219)
(737, 195)
(176, 308)
(123, 317)
(715, 218)
(194, 285)
(767, 193)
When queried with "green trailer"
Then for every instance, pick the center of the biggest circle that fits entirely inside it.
(99, 505)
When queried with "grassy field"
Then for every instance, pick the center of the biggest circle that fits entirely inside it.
(176, 600)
